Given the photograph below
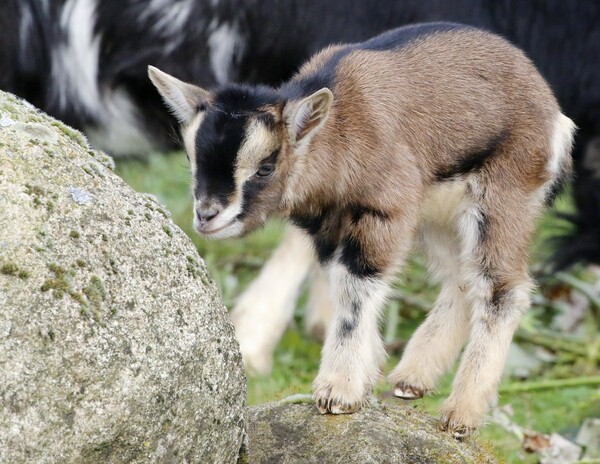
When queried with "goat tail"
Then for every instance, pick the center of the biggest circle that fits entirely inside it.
(581, 241)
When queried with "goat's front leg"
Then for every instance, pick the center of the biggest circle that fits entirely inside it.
(359, 273)
(353, 351)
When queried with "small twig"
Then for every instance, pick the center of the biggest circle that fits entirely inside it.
(410, 300)
(552, 342)
(549, 384)
(521, 387)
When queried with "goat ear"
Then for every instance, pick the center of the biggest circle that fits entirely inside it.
(305, 117)
(183, 99)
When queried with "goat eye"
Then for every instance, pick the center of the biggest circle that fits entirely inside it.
(265, 170)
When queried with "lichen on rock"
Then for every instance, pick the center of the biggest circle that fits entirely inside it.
(114, 344)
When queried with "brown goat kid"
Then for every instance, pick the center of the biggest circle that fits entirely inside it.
(436, 134)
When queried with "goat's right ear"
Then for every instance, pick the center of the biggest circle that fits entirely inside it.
(305, 117)
(183, 99)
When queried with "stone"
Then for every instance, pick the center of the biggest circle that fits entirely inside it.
(292, 431)
(114, 344)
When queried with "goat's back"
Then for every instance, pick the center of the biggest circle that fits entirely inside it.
(443, 91)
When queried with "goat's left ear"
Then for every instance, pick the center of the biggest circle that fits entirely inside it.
(183, 99)
(305, 117)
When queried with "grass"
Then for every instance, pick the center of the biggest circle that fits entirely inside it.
(234, 263)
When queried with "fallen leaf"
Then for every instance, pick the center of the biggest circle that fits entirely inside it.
(534, 442)
(560, 451)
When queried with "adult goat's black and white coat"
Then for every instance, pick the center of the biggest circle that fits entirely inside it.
(436, 134)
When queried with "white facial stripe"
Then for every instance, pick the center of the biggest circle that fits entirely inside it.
(189, 141)
(258, 144)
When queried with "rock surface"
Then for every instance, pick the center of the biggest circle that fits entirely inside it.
(114, 345)
(293, 432)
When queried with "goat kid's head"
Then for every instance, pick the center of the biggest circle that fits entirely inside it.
(242, 142)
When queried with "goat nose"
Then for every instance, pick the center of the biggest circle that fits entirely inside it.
(206, 215)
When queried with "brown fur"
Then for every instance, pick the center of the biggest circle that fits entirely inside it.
(451, 141)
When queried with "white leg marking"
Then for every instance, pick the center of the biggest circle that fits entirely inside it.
(433, 348)
(475, 386)
(265, 309)
(353, 350)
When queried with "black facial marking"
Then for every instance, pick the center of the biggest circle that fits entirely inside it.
(250, 191)
(355, 260)
(220, 136)
(253, 186)
(472, 162)
(217, 143)
(267, 119)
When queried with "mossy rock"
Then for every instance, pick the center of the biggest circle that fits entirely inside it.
(114, 344)
(293, 432)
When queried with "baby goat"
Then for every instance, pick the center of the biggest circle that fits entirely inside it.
(438, 134)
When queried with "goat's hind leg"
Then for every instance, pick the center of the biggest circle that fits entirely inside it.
(265, 309)
(319, 309)
(496, 225)
(434, 347)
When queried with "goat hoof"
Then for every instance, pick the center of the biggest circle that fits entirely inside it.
(455, 429)
(329, 406)
(329, 403)
(408, 392)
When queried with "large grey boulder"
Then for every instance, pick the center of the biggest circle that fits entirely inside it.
(293, 432)
(114, 345)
